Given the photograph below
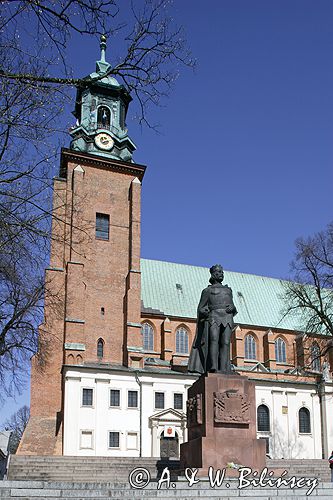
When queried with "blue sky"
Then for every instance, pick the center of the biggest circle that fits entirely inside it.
(243, 162)
(243, 165)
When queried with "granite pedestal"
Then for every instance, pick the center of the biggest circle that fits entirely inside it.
(221, 420)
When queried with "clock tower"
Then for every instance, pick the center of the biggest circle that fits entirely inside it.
(93, 308)
(100, 111)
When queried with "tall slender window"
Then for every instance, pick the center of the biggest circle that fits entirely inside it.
(122, 115)
(115, 397)
(87, 397)
(304, 421)
(102, 226)
(280, 350)
(159, 400)
(147, 337)
(182, 341)
(250, 347)
(113, 439)
(263, 422)
(178, 401)
(100, 348)
(132, 399)
(315, 357)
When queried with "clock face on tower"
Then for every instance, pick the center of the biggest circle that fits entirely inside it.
(104, 141)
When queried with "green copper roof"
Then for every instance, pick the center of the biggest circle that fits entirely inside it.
(175, 289)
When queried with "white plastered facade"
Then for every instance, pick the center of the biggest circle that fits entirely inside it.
(139, 429)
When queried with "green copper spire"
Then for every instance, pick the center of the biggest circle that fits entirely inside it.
(102, 66)
(100, 111)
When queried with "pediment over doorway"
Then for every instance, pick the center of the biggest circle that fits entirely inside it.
(168, 415)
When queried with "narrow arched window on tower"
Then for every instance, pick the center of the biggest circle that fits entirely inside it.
(103, 117)
(147, 337)
(100, 348)
(250, 347)
(315, 357)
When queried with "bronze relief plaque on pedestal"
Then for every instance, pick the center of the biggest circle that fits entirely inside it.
(194, 410)
(231, 407)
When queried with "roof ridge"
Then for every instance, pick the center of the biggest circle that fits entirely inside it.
(207, 268)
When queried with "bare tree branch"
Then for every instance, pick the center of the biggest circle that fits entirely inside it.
(309, 294)
(36, 83)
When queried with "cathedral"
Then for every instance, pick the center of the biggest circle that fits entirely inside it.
(118, 329)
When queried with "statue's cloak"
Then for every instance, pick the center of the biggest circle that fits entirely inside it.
(197, 362)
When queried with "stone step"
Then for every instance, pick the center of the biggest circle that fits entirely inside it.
(113, 463)
(110, 469)
(95, 457)
(87, 465)
(83, 468)
(280, 463)
(29, 490)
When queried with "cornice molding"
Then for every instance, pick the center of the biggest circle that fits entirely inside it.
(100, 162)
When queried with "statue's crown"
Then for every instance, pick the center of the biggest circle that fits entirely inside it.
(215, 267)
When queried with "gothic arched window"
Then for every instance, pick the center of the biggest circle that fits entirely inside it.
(182, 341)
(147, 337)
(103, 117)
(304, 423)
(280, 351)
(263, 422)
(250, 347)
(315, 357)
(100, 348)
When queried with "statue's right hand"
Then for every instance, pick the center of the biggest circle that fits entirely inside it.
(204, 311)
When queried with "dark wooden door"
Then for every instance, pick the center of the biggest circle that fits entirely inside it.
(169, 447)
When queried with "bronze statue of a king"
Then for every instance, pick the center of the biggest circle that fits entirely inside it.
(211, 346)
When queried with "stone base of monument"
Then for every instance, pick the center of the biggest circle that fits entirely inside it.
(221, 420)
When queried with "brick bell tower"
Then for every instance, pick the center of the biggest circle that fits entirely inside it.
(93, 298)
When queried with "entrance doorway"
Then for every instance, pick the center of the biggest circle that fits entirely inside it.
(169, 446)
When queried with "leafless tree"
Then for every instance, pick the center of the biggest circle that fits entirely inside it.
(17, 423)
(309, 296)
(148, 45)
(36, 86)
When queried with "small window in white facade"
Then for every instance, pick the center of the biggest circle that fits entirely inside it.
(178, 401)
(87, 397)
(304, 421)
(263, 419)
(114, 440)
(86, 439)
(115, 398)
(132, 440)
(159, 400)
(132, 399)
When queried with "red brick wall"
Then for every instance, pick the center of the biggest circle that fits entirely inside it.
(87, 274)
